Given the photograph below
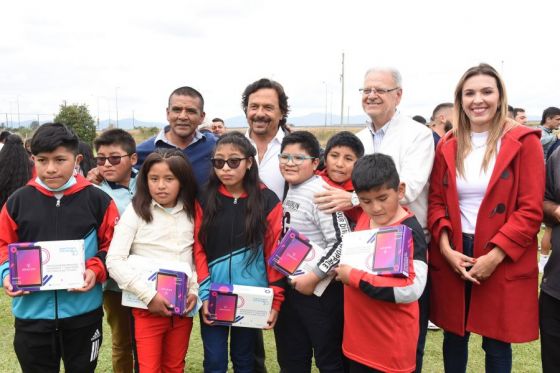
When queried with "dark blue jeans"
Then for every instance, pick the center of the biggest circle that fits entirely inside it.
(456, 348)
(242, 348)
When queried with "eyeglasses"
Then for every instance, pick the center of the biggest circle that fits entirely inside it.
(296, 159)
(232, 163)
(376, 91)
(113, 159)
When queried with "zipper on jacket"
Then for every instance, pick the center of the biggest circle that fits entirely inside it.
(56, 310)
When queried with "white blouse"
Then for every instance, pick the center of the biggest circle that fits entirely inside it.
(472, 187)
(169, 236)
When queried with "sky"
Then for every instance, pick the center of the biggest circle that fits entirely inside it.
(133, 54)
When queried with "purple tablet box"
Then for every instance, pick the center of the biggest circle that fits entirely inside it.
(393, 247)
(26, 271)
(172, 285)
(290, 253)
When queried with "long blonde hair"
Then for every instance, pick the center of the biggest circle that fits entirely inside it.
(462, 126)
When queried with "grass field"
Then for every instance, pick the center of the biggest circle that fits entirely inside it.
(526, 357)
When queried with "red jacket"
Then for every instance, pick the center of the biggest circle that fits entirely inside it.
(504, 306)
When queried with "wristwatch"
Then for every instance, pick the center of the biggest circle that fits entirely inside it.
(355, 200)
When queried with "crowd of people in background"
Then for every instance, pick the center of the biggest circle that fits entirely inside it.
(469, 183)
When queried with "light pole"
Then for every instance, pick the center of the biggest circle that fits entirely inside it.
(117, 104)
(326, 101)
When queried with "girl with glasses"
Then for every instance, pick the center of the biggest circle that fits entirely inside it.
(241, 227)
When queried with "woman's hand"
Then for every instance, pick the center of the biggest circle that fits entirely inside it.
(160, 306)
(271, 319)
(486, 264)
(459, 262)
(333, 200)
(205, 314)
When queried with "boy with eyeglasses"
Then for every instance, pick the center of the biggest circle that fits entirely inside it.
(309, 325)
(115, 175)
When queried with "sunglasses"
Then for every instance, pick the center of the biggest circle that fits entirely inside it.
(232, 163)
(113, 159)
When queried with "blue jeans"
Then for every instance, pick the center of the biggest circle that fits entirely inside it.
(242, 348)
(455, 348)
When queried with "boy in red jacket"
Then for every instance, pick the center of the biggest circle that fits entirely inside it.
(381, 312)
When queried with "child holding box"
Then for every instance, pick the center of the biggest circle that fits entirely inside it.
(56, 205)
(381, 312)
(240, 229)
(160, 223)
(309, 325)
(116, 156)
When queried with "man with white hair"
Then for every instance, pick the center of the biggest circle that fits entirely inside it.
(409, 143)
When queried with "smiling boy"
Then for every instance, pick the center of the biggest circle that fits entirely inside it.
(308, 325)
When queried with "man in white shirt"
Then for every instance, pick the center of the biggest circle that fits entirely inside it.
(266, 107)
(409, 143)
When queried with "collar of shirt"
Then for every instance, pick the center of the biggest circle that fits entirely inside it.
(276, 139)
(161, 137)
(133, 174)
(547, 130)
(380, 134)
(177, 208)
(383, 130)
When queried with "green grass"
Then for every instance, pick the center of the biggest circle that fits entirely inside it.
(526, 357)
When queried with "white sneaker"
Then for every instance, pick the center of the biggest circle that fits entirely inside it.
(542, 262)
(432, 326)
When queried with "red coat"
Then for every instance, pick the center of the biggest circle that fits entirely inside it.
(505, 305)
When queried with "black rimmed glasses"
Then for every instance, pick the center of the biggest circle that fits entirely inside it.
(232, 163)
(376, 91)
(296, 159)
(113, 159)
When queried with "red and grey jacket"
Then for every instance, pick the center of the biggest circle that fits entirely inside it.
(33, 214)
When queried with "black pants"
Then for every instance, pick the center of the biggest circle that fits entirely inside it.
(424, 308)
(311, 326)
(549, 319)
(260, 358)
(42, 352)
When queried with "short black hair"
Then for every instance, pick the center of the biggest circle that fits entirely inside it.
(187, 91)
(348, 139)
(549, 113)
(306, 140)
(443, 105)
(373, 172)
(4, 135)
(517, 110)
(218, 120)
(50, 136)
(510, 109)
(419, 119)
(116, 136)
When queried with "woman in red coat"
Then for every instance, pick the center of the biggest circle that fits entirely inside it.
(485, 209)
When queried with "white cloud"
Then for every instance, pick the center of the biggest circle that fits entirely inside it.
(81, 52)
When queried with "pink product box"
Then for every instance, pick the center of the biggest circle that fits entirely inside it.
(46, 265)
(239, 305)
(172, 285)
(392, 250)
(290, 253)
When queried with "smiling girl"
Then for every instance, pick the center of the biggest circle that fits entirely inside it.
(485, 209)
